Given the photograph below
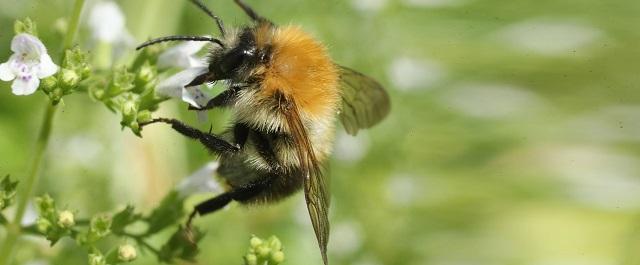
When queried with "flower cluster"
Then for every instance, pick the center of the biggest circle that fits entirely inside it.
(264, 252)
(55, 224)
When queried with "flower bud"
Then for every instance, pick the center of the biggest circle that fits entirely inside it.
(100, 226)
(45, 204)
(144, 116)
(66, 219)
(49, 83)
(275, 243)
(97, 93)
(146, 73)
(129, 108)
(263, 251)
(277, 257)
(251, 259)
(43, 225)
(255, 242)
(127, 253)
(69, 78)
(97, 259)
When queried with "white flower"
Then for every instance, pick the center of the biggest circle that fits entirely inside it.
(29, 63)
(182, 55)
(174, 86)
(66, 219)
(200, 181)
(127, 253)
(107, 23)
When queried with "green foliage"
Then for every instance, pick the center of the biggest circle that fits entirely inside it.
(124, 218)
(25, 26)
(7, 192)
(183, 244)
(55, 224)
(169, 211)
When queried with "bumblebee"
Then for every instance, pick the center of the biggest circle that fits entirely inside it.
(285, 93)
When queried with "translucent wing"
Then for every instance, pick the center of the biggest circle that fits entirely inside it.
(364, 101)
(316, 192)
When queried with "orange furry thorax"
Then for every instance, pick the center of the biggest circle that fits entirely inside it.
(300, 68)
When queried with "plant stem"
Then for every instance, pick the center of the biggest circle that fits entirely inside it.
(13, 229)
(73, 26)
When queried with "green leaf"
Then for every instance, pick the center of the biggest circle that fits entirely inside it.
(123, 218)
(7, 192)
(99, 227)
(181, 245)
(170, 211)
(25, 26)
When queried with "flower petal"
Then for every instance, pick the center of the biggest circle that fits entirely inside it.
(28, 45)
(25, 85)
(200, 181)
(181, 55)
(194, 96)
(47, 67)
(172, 86)
(6, 74)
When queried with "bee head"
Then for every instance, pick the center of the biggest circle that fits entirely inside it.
(237, 61)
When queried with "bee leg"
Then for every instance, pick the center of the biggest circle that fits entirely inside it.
(211, 141)
(216, 203)
(249, 11)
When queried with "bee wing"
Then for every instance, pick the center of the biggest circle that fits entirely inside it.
(364, 101)
(316, 192)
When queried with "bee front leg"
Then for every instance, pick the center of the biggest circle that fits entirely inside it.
(212, 142)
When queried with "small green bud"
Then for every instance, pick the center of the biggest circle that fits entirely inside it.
(144, 116)
(146, 73)
(251, 259)
(127, 253)
(43, 225)
(122, 80)
(263, 251)
(277, 257)
(97, 259)
(25, 26)
(66, 219)
(97, 93)
(129, 108)
(69, 78)
(275, 243)
(100, 225)
(45, 204)
(255, 242)
(49, 83)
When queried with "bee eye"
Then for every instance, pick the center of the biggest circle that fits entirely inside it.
(234, 59)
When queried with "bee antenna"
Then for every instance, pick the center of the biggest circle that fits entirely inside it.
(177, 38)
(205, 9)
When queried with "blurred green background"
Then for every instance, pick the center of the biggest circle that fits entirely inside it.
(513, 138)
